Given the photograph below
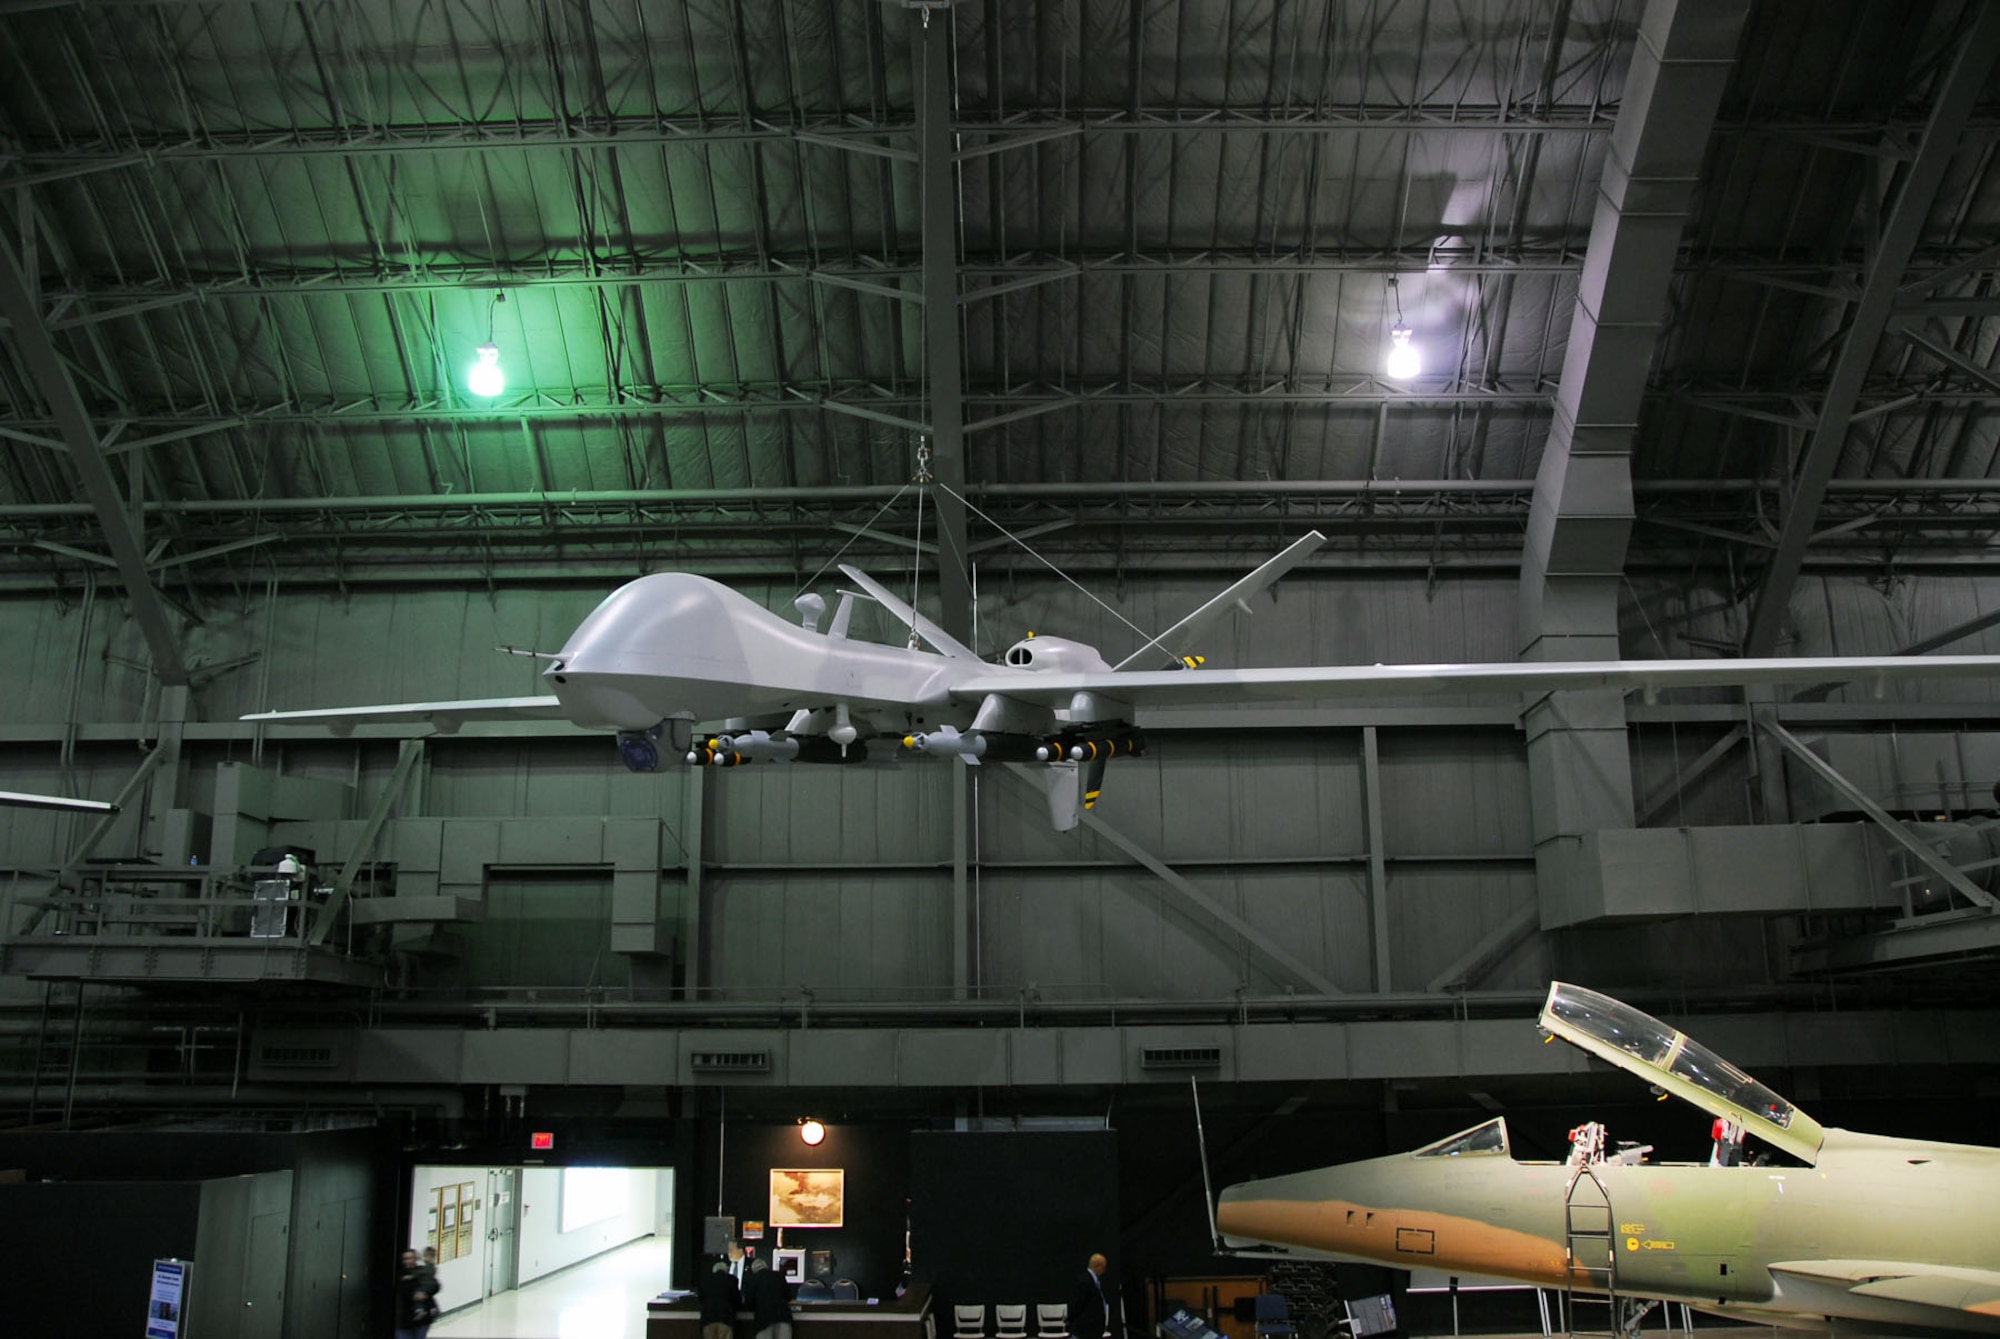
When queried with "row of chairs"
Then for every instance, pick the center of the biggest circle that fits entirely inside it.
(819, 1290)
(1010, 1321)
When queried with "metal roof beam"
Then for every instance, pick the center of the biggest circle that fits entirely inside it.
(1951, 357)
(639, 500)
(1356, 392)
(841, 132)
(37, 350)
(1006, 275)
(1943, 130)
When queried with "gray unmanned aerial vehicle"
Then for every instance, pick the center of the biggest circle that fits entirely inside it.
(670, 657)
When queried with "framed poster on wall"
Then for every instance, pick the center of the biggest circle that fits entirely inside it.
(790, 1261)
(808, 1197)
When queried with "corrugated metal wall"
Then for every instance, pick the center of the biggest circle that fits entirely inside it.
(840, 880)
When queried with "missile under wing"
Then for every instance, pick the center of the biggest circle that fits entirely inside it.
(1827, 1229)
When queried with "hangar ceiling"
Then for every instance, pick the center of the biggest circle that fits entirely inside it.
(267, 237)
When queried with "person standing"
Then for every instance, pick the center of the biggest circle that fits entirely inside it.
(1089, 1304)
(719, 1301)
(769, 1304)
(415, 1288)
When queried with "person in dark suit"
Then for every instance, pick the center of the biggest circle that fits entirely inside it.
(765, 1294)
(718, 1301)
(1090, 1303)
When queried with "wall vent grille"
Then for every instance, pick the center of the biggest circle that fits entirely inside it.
(730, 1062)
(1181, 1057)
(295, 1057)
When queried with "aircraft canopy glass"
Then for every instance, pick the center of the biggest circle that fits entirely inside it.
(1480, 1140)
(1613, 1022)
(1705, 1069)
(1653, 1042)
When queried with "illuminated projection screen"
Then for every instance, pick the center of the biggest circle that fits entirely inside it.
(593, 1194)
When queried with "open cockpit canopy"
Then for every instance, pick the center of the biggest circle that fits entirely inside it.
(1642, 1044)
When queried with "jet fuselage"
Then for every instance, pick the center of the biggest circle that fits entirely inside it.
(1716, 1238)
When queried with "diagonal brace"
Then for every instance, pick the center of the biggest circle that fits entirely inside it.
(1251, 935)
(45, 366)
(406, 763)
(1899, 834)
(1495, 944)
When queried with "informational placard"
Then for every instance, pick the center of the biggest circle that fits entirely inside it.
(163, 1308)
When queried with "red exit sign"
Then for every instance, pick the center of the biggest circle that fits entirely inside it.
(542, 1139)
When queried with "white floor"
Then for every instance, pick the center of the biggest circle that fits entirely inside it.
(602, 1298)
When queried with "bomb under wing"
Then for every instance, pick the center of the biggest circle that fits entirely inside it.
(1839, 1232)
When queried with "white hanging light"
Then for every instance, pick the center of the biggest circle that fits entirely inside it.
(811, 1131)
(485, 378)
(1403, 362)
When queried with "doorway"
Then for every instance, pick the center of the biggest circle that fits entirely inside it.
(503, 1255)
(499, 1229)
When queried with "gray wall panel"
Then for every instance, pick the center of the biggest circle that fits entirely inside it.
(546, 931)
(1439, 912)
(1969, 1039)
(1287, 1051)
(853, 934)
(1086, 935)
(1662, 760)
(777, 814)
(1507, 1046)
(1034, 1059)
(517, 1055)
(1402, 1050)
(835, 1057)
(642, 1058)
(408, 1055)
(1457, 793)
(1091, 1056)
(968, 1059)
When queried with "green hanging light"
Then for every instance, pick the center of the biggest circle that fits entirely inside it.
(486, 378)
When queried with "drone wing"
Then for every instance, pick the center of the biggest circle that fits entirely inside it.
(1176, 642)
(1311, 683)
(20, 799)
(446, 716)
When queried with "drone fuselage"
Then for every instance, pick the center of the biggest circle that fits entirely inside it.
(676, 645)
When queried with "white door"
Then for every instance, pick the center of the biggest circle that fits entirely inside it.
(503, 1195)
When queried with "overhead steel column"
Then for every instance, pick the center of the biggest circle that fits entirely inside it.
(963, 856)
(38, 353)
(943, 370)
(1378, 864)
(694, 811)
(1887, 263)
(1580, 518)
